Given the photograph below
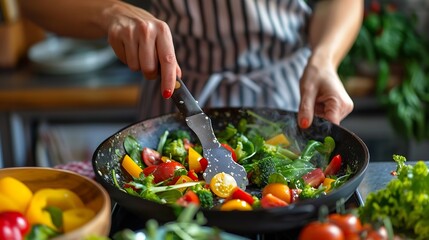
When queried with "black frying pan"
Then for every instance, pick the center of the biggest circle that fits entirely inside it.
(353, 150)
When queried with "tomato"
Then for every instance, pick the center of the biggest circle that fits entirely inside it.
(190, 197)
(279, 190)
(334, 166)
(321, 230)
(149, 170)
(371, 233)
(193, 175)
(239, 193)
(236, 204)
(204, 164)
(151, 157)
(229, 148)
(166, 170)
(271, 201)
(223, 184)
(294, 194)
(13, 225)
(349, 224)
(314, 178)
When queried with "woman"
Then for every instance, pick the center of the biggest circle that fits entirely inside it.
(261, 53)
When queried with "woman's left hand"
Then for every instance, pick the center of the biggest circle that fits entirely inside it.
(322, 93)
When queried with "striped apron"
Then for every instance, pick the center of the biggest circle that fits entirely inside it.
(234, 53)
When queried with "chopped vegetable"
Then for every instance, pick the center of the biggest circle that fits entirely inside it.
(131, 167)
(256, 143)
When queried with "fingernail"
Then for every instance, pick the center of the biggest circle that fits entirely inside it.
(304, 123)
(167, 93)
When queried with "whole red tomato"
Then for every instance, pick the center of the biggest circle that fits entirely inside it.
(166, 171)
(321, 230)
(13, 225)
(348, 223)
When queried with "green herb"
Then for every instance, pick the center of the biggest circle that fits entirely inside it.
(405, 200)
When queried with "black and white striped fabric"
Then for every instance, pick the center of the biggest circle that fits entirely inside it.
(236, 53)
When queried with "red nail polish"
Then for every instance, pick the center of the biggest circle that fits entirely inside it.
(304, 123)
(167, 93)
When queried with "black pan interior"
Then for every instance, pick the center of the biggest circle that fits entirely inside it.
(353, 150)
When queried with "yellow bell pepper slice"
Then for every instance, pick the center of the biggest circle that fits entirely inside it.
(62, 198)
(327, 183)
(193, 160)
(279, 139)
(76, 217)
(16, 191)
(131, 167)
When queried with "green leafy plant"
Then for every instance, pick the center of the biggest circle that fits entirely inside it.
(388, 41)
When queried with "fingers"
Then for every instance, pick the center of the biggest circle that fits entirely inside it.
(144, 43)
(167, 60)
(308, 91)
(322, 95)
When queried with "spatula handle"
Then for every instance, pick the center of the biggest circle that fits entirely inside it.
(184, 100)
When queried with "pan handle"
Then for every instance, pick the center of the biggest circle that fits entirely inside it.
(184, 100)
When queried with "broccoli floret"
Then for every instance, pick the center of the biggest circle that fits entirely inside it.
(179, 134)
(175, 149)
(204, 194)
(262, 170)
(309, 192)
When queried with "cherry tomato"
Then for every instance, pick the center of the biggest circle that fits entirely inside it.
(371, 233)
(151, 157)
(271, 201)
(279, 190)
(236, 204)
(239, 193)
(229, 148)
(190, 197)
(149, 170)
(13, 225)
(223, 184)
(166, 170)
(349, 224)
(321, 230)
(334, 166)
(314, 178)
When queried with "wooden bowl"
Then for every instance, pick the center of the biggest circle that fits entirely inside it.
(92, 194)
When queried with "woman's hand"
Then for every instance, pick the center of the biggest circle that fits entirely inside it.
(143, 42)
(322, 93)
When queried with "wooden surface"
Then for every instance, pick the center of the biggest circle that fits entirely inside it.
(69, 98)
(24, 88)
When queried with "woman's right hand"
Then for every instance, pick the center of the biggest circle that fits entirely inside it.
(144, 43)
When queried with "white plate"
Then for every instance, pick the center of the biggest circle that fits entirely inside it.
(67, 55)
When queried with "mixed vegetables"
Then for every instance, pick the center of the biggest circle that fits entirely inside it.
(42, 214)
(397, 211)
(281, 170)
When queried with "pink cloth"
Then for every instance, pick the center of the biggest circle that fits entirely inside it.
(83, 168)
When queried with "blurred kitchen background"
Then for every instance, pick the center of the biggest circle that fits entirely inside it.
(60, 98)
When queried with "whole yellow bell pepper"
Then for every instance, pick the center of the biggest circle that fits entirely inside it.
(14, 195)
(61, 198)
